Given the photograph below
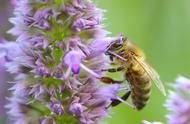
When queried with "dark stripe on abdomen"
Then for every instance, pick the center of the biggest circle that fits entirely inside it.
(140, 87)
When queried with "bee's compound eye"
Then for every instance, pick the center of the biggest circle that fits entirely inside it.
(118, 43)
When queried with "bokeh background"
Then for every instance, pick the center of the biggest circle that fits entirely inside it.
(160, 27)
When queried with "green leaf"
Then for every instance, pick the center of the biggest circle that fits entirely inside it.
(58, 53)
(59, 2)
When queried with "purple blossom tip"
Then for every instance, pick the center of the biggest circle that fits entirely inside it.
(99, 46)
(110, 91)
(182, 83)
(73, 60)
(10, 50)
(76, 109)
(75, 68)
(56, 107)
(48, 120)
(178, 102)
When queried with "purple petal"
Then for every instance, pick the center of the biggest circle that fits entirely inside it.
(56, 107)
(73, 59)
(76, 68)
(109, 91)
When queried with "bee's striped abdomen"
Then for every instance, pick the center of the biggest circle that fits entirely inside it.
(140, 85)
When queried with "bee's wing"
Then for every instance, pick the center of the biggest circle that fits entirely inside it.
(152, 74)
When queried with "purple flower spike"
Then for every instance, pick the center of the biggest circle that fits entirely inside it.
(179, 102)
(57, 60)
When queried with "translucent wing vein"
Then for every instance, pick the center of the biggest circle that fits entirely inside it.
(152, 74)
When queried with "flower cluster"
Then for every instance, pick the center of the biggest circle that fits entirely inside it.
(57, 59)
(179, 102)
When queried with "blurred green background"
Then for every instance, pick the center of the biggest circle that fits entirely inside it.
(162, 29)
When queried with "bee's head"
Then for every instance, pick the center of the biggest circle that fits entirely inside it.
(117, 44)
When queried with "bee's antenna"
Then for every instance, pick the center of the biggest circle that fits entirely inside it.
(116, 55)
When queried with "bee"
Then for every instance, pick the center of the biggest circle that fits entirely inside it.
(138, 73)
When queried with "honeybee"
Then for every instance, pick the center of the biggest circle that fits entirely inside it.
(137, 72)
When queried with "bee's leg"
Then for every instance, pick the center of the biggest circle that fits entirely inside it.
(124, 97)
(111, 53)
(112, 63)
(109, 80)
(113, 69)
(123, 100)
